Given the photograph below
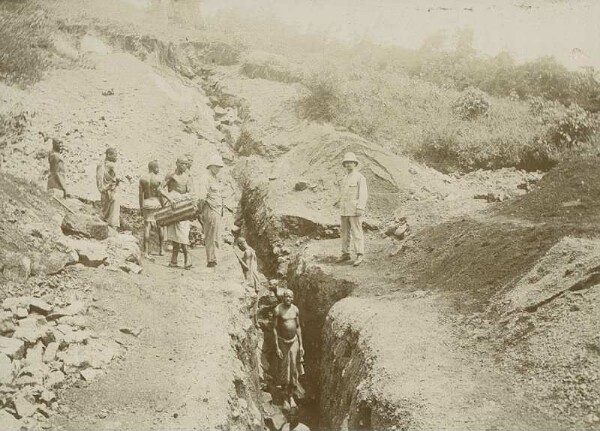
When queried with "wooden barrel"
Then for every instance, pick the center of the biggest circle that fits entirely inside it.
(179, 211)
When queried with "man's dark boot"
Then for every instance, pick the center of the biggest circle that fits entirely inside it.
(359, 259)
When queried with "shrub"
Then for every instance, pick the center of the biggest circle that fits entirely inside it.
(471, 104)
(568, 127)
(572, 127)
(273, 67)
(323, 99)
(24, 37)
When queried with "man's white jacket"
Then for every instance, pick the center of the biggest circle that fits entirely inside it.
(353, 194)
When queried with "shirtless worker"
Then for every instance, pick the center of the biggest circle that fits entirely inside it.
(107, 183)
(353, 200)
(178, 187)
(288, 346)
(249, 264)
(211, 207)
(150, 195)
(56, 177)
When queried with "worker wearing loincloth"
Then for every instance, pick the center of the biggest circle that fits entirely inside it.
(178, 187)
(150, 202)
(249, 264)
(107, 183)
(289, 347)
(56, 176)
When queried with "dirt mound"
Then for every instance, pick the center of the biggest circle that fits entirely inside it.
(571, 192)
(571, 265)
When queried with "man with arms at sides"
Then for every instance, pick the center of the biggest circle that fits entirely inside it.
(353, 201)
(56, 177)
(288, 346)
(150, 195)
(211, 208)
(108, 182)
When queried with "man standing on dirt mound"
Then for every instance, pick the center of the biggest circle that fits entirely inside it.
(211, 208)
(353, 201)
(107, 183)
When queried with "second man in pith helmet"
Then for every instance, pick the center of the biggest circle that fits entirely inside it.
(353, 201)
(211, 208)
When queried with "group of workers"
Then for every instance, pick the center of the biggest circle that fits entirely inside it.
(156, 192)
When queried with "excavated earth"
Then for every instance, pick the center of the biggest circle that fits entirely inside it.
(480, 316)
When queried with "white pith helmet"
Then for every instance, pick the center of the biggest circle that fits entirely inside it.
(350, 157)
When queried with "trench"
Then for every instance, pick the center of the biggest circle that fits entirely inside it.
(329, 390)
(333, 363)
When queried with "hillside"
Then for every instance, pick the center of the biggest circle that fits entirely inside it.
(480, 313)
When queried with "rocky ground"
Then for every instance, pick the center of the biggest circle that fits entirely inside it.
(475, 308)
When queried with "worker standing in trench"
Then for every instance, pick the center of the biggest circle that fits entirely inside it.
(288, 347)
(249, 264)
(353, 201)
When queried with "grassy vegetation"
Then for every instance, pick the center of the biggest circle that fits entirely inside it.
(24, 42)
(456, 110)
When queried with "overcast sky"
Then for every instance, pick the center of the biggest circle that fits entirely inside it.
(566, 29)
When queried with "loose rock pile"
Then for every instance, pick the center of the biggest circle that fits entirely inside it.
(395, 230)
(44, 346)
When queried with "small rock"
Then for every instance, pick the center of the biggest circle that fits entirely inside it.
(50, 352)
(21, 313)
(47, 396)
(44, 411)
(54, 379)
(84, 225)
(34, 355)
(89, 374)
(12, 347)
(72, 309)
(39, 306)
(9, 422)
(131, 268)
(15, 266)
(131, 331)
(24, 406)
(7, 326)
(6, 370)
(401, 231)
(300, 186)
(369, 224)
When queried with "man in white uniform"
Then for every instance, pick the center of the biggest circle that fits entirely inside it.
(353, 201)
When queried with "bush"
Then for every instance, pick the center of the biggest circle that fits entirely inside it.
(273, 67)
(471, 104)
(568, 127)
(24, 37)
(573, 127)
(323, 99)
